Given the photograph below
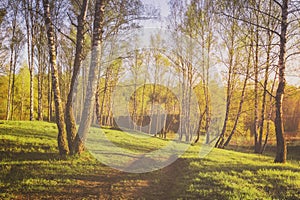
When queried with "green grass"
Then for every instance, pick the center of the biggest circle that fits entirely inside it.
(30, 168)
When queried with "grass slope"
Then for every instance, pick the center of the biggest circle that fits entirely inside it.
(30, 168)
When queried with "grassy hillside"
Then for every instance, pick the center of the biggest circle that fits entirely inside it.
(30, 168)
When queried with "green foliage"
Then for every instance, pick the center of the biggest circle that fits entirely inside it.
(3, 96)
(31, 168)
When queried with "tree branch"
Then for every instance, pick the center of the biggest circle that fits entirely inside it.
(261, 84)
(65, 35)
(292, 54)
(295, 10)
(279, 4)
(251, 23)
(71, 20)
(265, 13)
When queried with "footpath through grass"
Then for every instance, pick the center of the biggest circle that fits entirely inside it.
(30, 168)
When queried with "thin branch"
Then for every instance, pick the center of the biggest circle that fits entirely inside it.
(295, 10)
(279, 4)
(251, 23)
(292, 21)
(292, 54)
(68, 37)
(265, 13)
(261, 84)
(71, 20)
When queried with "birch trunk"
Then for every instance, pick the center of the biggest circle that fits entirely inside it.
(69, 115)
(62, 138)
(281, 143)
(93, 75)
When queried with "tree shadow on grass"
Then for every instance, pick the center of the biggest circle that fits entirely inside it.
(28, 156)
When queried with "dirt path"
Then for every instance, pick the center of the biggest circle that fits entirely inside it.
(112, 184)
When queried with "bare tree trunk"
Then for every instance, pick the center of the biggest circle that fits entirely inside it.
(199, 125)
(230, 80)
(69, 115)
(30, 48)
(152, 108)
(143, 99)
(8, 105)
(241, 102)
(100, 113)
(41, 67)
(256, 143)
(98, 109)
(62, 137)
(266, 80)
(281, 143)
(221, 139)
(49, 94)
(183, 105)
(10, 86)
(206, 93)
(13, 83)
(22, 103)
(11, 65)
(269, 116)
(189, 100)
(31, 94)
(40, 84)
(94, 72)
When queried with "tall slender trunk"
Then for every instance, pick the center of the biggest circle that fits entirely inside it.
(31, 98)
(40, 85)
(269, 116)
(9, 90)
(41, 65)
(281, 143)
(256, 144)
(152, 108)
(11, 64)
(98, 109)
(30, 51)
(221, 139)
(60, 121)
(189, 100)
(263, 107)
(22, 102)
(199, 124)
(94, 72)
(153, 98)
(183, 104)
(69, 115)
(100, 114)
(241, 102)
(13, 83)
(230, 81)
(49, 94)
(143, 99)
(206, 93)
(265, 85)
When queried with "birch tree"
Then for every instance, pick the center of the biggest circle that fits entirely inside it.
(59, 114)
(93, 76)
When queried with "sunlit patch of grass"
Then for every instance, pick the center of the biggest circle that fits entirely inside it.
(134, 141)
(227, 174)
